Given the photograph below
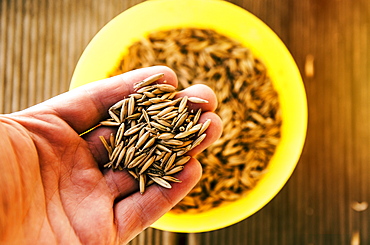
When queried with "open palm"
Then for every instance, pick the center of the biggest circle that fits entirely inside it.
(53, 186)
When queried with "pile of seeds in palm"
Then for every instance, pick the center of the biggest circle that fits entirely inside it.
(155, 131)
(247, 104)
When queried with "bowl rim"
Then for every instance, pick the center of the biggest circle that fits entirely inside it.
(262, 41)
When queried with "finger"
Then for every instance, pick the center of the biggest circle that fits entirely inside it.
(83, 107)
(136, 212)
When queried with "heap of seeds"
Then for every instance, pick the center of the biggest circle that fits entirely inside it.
(247, 104)
(155, 131)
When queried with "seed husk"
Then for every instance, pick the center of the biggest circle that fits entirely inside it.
(147, 165)
(183, 102)
(142, 183)
(175, 170)
(164, 123)
(159, 106)
(170, 115)
(108, 165)
(181, 120)
(132, 140)
(197, 100)
(136, 96)
(172, 142)
(131, 106)
(134, 116)
(146, 116)
(112, 140)
(109, 123)
(142, 139)
(119, 134)
(149, 95)
(136, 161)
(133, 130)
(153, 113)
(158, 126)
(171, 178)
(191, 131)
(106, 145)
(149, 143)
(161, 182)
(116, 152)
(170, 161)
(182, 160)
(148, 80)
(190, 124)
(114, 116)
(165, 111)
(165, 87)
(197, 116)
(133, 174)
(117, 105)
(129, 155)
(198, 141)
(121, 156)
(166, 136)
(124, 110)
(156, 100)
(204, 126)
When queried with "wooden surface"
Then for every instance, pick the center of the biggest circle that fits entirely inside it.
(41, 41)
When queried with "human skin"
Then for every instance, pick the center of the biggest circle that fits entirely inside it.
(53, 188)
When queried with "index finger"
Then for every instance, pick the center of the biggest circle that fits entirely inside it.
(83, 107)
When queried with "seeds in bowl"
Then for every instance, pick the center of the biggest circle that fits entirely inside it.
(155, 130)
(247, 104)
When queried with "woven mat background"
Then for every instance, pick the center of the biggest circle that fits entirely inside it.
(41, 42)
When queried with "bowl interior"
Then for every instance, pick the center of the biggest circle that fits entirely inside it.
(106, 49)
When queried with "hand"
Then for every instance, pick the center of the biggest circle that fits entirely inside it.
(53, 186)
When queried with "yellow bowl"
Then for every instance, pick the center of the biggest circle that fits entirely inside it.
(111, 43)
